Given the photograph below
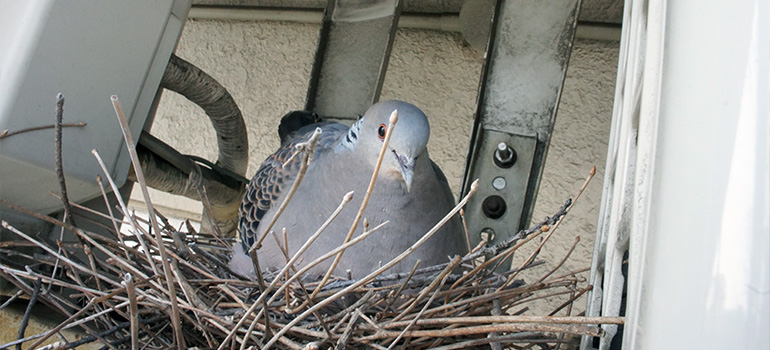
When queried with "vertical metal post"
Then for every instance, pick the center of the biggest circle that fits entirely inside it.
(352, 56)
(522, 77)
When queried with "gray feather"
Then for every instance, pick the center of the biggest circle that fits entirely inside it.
(344, 161)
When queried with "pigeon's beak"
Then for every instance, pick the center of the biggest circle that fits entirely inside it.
(406, 166)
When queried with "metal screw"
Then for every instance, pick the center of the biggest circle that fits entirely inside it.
(499, 183)
(505, 156)
(487, 235)
(493, 207)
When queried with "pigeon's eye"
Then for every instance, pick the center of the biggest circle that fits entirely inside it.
(381, 131)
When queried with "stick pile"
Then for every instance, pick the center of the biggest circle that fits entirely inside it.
(171, 287)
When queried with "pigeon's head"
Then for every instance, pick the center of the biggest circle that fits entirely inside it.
(407, 144)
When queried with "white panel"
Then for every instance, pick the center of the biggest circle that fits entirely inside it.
(688, 178)
(87, 50)
(706, 282)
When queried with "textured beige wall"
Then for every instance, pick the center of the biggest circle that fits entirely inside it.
(266, 65)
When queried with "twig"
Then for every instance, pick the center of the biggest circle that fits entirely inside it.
(111, 215)
(367, 319)
(533, 297)
(113, 330)
(442, 278)
(555, 226)
(58, 159)
(299, 273)
(521, 337)
(439, 280)
(60, 305)
(203, 194)
(308, 149)
(176, 257)
(388, 133)
(59, 171)
(573, 273)
(6, 133)
(486, 329)
(262, 290)
(92, 262)
(11, 299)
(308, 300)
(564, 259)
(497, 310)
(34, 275)
(285, 249)
(465, 229)
(438, 321)
(474, 187)
(290, 264)
(68, 322)
(543, 225)
(71, 263)
(28, 311)
(175, 321)
(526, 238)
(569, 302)
(66, 254)
(479, 299)
(342, 315)
(372, 345)
(131, 291)
(345, 200)
(342, 342)
(345, 315)
(402, 285)
(126, 213)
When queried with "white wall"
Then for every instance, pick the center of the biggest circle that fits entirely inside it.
(266, 67)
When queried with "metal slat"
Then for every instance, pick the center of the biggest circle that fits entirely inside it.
(524, 69)
(352, 56)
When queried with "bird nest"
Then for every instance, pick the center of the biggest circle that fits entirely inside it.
(119, 294)
(171, 287)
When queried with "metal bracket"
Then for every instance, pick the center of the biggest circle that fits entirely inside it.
(352, 56)
(508, 159)
(522, 77)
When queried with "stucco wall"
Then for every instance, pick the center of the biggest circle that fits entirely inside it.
(579, 141)
(266, 65)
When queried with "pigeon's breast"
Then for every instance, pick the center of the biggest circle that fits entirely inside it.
(409, 215)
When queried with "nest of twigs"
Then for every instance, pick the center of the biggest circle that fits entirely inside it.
(119, 294)
(168, 287)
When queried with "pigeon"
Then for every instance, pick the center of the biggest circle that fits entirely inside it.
(293, 121)
(411, 192)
